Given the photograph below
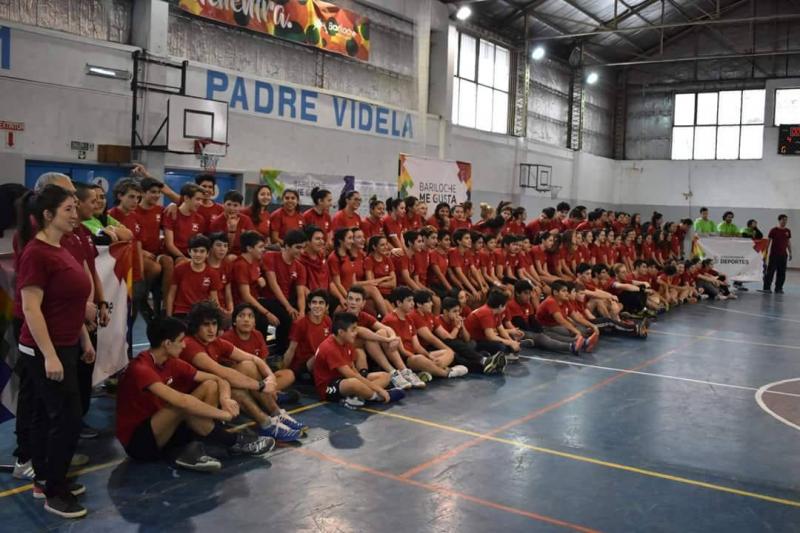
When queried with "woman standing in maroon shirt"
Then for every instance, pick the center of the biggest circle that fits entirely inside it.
(54, 291)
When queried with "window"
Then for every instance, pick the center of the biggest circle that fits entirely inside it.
(787, 106)
(720, 125)
(480, 86)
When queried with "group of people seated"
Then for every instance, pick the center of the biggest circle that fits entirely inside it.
(362, 308)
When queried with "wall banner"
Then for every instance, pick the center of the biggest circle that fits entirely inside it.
(434, 180)
(310, 22)
(738, 259)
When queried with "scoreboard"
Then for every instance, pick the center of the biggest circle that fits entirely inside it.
(789, 139)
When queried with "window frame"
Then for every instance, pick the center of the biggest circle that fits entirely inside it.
(715, 125)
(457, 78)
(775, 106)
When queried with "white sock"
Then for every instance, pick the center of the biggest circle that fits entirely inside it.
(374, 397)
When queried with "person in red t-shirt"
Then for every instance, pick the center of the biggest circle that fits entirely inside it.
(286, 218)
(347, 216)
(379, 342)
(488, 261)
(405, 264)
(422, 260)
(449, 327)
(600, 301)
(459, 219)
(247, 281)
(184, 223)
(307, 333)
(342, 267)
(521, 313)
(283, 272)
(258, 210)
(380, 270)
(335, 375)
(164, 404)
(218, 261)
(779, 253)
(394, 222)
(253, 383)
(208, 208)
(416, 212)
(439, 264)
(315, 273)
(150, 213)
(194, 281)
(485, 327)
(460, 262)
(424, 322)
(372, 224)
(319, 215)
(232, 222)
(127, 194)
(554, 312)
(428, 364)
(540, 254)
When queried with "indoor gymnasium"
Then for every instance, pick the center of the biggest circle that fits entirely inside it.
(407, 265)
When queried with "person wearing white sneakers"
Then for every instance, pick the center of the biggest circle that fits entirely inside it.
(380, 342)
(428, 364)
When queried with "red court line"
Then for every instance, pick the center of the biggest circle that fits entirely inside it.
(445, 491)
(531, 416)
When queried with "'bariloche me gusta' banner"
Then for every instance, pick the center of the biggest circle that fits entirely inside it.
(434, 181)
(309, 22)
(738, 259)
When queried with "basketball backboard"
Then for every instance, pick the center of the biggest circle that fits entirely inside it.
(190, 118)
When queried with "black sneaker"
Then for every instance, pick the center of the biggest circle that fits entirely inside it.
(765, 291)
(76, 489)
(88, 432)
(65, 506)
(288, 397)
(255, 446)
(490, 362)
(194, 457)
(778, 291)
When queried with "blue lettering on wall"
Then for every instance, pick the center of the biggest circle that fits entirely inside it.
(5, 47)
(299, 104)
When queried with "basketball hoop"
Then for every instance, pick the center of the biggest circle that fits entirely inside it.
(203, 150)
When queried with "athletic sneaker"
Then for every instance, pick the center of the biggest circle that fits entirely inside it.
(778, 291)
(251, 445)
(395, 395)
(352, 402)
(592, 341)
(412, 378)
(765, 291)
(457, 371)
(527, 343)
(399, 381)
(291, 422)
(577, 345)
(88, 432)
(280, 431)
(193, 456)
(23, 470)
(512, 357)
(288, 397)
(425, 377)
(493, 362)
(65, 506)
(76, 489)
(501, 363)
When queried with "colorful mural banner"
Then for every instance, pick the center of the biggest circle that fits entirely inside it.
(434, 181)
(309, 22)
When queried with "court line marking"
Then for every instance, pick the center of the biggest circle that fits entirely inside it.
(533, 415)
(586, 459)
(110, 464)
(773, 317)
(760, 401)
(735, 341)
(442, 490)
(655, 375)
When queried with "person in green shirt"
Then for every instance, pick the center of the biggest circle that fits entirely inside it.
(704, 225)
(752, 231)
(727, 228)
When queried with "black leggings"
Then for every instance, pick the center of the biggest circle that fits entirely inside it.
(614, 327)
(56, 423)
(633, 302)
(550, 341)
(26, 401)
(281, 330)
(466, 354)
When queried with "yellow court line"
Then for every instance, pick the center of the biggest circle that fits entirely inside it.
(111, 464)
(591, 460)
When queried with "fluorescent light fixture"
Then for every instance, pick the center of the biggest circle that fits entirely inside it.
(538, 53)
(592, 78)
(107, 72)
(463, 13)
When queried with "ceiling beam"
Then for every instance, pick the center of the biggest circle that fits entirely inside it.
(659, 61)
(598, 20)
(521, 10)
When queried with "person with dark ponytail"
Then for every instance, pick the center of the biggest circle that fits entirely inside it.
(286, 218)
(54, 288)
(372, 224)
(394, 222)
(319, 215)
(347, 216)
(414, 219)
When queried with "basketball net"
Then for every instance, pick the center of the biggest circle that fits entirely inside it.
(208, 161)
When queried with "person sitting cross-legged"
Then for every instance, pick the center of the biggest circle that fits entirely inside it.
(252, 382)
(165, 406)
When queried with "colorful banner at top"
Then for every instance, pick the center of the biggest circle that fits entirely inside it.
(310, 22)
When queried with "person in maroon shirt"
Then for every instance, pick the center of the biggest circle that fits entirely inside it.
(380, 270)
(414, 218)
(157, 264)
(282, 295)
(521, 314)
(340, 265)
(194, 281)
(335, 375)
(315, 264)
(779, 252)
(319, 215)
(485, 327)
(258, 210)
(441, 217)
(394, 221)
(54, 289)
(253, 384)
(372, 224)
(307, 333)
(247, 281)
(208, 208)
(347, 216)
(449, 327)
(459, 219)
(286, 218)
(231, 221)
(554, 312)
(218, 261)
(184, 223)
(438, 265)
(165, 406)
